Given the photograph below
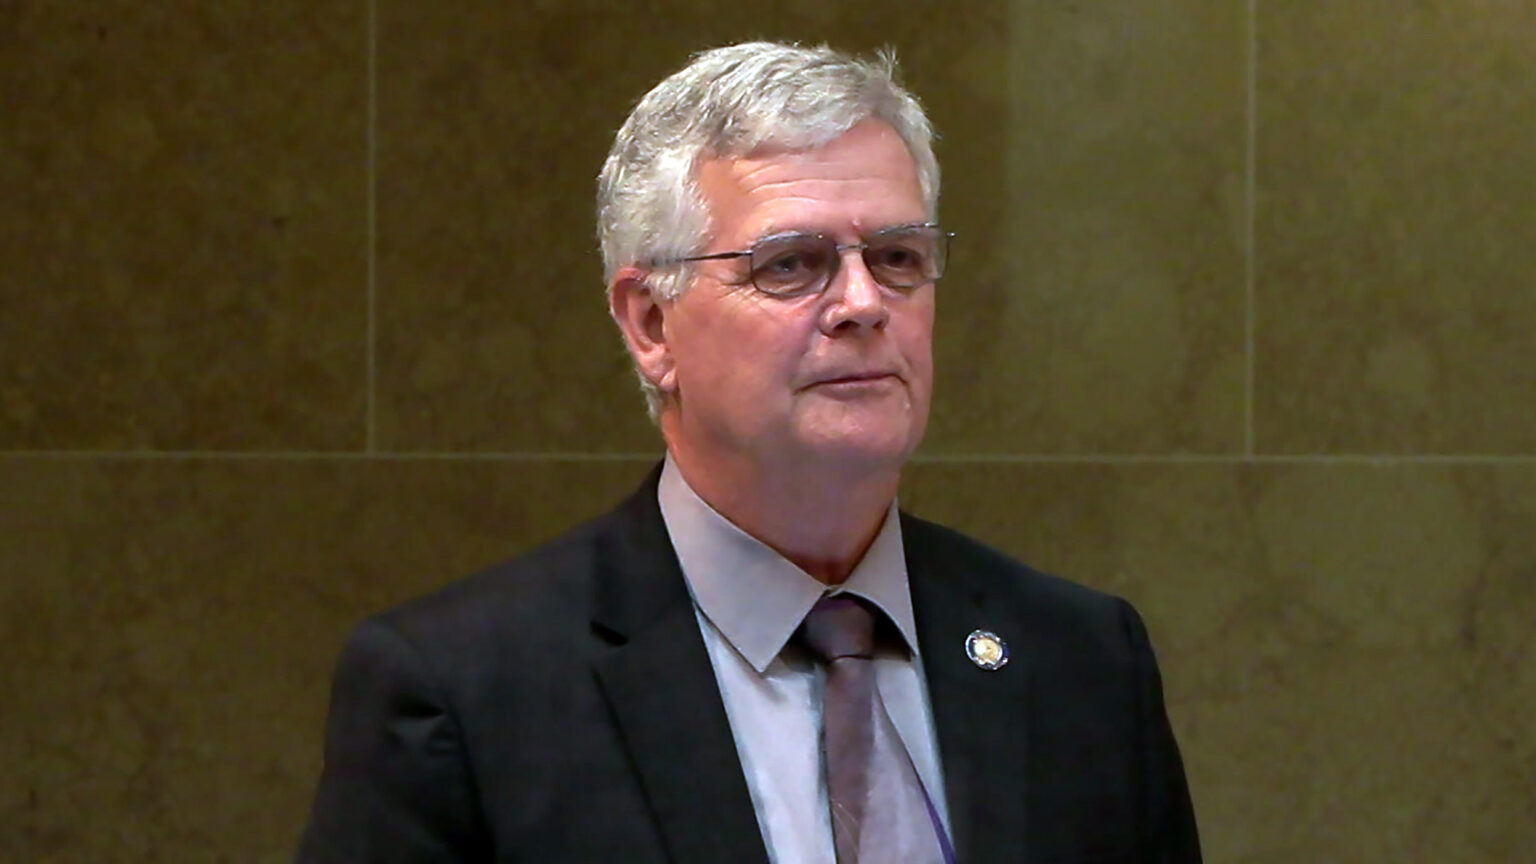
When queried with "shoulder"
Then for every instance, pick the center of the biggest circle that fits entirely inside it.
(989, 570)
(1056, 611)
(519, 606)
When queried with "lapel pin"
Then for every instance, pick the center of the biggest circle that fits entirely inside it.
(986, 649)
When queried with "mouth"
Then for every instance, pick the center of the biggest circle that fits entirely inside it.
(858, 378)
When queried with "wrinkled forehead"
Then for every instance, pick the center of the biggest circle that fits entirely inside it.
(851, 193)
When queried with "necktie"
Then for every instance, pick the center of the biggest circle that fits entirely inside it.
(880, 813)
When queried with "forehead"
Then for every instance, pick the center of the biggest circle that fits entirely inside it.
(863, 180)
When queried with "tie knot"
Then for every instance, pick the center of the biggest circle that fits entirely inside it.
(838, 627)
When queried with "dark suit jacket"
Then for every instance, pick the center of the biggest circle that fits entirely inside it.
(562, 708)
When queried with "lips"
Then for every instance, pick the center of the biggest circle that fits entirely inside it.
(857, 376)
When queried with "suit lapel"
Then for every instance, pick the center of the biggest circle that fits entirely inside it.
(661, 686)
(980, 716)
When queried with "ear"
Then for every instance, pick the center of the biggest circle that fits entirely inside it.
(641, 315)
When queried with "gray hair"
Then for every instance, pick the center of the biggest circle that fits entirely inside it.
(734, 102)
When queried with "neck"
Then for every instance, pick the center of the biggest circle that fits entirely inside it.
(819, 517)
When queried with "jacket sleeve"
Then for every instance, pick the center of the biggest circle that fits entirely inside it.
(1168, 833)
(396, 785)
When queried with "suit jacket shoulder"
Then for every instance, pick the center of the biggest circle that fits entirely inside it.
(536, 599)
(1065, 753)
(558, 706)
(1054, 610)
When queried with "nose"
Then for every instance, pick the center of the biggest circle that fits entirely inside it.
(854, 299)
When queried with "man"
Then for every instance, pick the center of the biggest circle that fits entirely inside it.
(661, 685)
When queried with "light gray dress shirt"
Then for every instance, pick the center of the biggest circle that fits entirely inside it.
(749, 601)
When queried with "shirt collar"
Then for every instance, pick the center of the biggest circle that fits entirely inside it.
(753, 595)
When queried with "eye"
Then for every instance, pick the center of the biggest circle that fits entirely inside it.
(897, 257)
(788, 265)
(903, 263)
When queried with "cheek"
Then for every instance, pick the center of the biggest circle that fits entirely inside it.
(746, 357)
(773, 346)
(915, 338)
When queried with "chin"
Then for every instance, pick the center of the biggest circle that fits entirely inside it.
(854, 437)
(861, 450)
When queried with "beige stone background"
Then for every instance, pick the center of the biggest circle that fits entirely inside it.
(302, 315)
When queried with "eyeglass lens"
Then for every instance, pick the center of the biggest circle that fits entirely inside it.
(799, 263)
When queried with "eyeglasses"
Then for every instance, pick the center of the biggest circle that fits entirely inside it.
(902, 258)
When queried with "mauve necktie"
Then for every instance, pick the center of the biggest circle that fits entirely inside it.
(880, 813)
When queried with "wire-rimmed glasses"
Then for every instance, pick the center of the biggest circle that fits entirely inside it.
(902, 258)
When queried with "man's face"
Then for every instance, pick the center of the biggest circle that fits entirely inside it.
(841, 378)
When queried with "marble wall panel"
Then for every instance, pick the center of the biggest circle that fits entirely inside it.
(1346, 649)
(1396, 286)
(1098, 304)
(182, 224)
(1094, 161)
(169, 629)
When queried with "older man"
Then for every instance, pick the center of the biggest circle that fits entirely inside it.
(758, 657)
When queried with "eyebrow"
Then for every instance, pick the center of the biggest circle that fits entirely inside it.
(788, 233)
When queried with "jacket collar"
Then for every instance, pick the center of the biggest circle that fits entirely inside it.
(658, 681)
(980, 716)
(660, 684)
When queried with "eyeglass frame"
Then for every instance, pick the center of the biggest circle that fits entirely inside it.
(838, 249)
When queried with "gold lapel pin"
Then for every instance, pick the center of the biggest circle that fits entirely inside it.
(986, 649)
